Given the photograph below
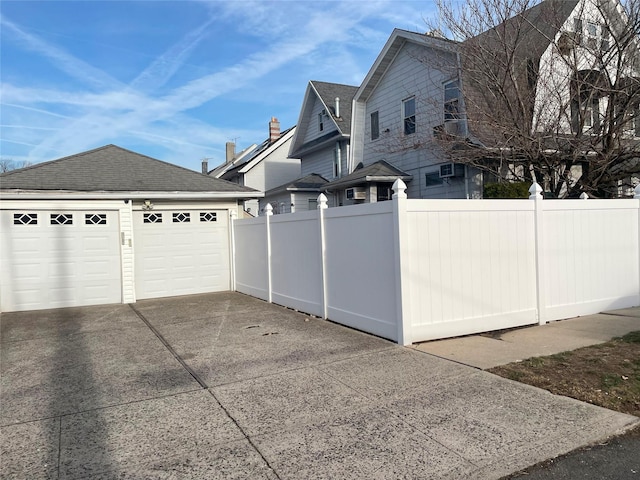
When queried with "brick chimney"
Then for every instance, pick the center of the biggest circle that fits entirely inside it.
(231, 151)
(274, 129)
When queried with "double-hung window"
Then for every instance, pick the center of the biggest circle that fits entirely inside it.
(451, 101)
(409, 115)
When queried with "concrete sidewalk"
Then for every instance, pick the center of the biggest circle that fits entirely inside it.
(227, 386)
(490, 350)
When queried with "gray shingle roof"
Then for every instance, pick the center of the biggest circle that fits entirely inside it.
(114, 169)
(312, 182)
(380, 171)
(328, 93)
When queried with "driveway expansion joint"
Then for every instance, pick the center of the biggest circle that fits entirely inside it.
(169, 347)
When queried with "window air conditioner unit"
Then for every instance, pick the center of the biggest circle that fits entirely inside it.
(449, 170)
(452, 127)
(356, 193)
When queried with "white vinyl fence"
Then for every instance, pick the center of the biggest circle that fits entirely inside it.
(416, 270)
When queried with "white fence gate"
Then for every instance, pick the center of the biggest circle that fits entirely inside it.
(415, 270)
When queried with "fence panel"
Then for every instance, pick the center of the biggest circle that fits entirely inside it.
(251, 260)
(296, 263)
(472, 266)
(360, 268)
(590, 254)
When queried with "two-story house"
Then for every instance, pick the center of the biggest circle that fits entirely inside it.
(538, 97)
(410, 95)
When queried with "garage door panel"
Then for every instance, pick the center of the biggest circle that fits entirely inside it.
(179, 258)
(49, 266)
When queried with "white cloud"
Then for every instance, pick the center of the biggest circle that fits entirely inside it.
(309, 39)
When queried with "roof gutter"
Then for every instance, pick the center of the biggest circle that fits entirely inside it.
(69, 195)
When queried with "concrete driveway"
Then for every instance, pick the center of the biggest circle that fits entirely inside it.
(227, 386)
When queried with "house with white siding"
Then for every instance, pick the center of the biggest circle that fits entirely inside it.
(264, 167)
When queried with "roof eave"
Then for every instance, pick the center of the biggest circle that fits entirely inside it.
(71, 195)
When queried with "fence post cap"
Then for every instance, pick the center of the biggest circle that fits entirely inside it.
(584, 196)
(399, 188)
(268, 210)
(322, 201)
(636, 191)
(535, 191)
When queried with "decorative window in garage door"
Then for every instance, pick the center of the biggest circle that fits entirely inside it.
(25, 218)
(152, 218)
(181, 217)
(95, 218)
(61, 219)
(208, 217)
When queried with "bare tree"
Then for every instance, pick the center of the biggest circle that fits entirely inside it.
(551, 91)
(8, 164)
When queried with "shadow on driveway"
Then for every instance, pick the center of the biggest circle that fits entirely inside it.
(228, 386)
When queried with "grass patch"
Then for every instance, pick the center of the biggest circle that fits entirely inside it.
(607, 374)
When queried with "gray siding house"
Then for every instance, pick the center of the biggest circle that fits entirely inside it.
(409, 97)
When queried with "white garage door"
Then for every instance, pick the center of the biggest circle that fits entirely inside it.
(53, 259)
(180, 252)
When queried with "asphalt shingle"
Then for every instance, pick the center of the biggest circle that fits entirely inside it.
(113, 169)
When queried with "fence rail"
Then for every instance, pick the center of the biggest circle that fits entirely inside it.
(415, 270)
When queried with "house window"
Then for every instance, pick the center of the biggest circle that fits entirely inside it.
(95, 218)
(585, 114)
(375, 126)
(433, 179)
(25, 218)
(181, 217)
(61, 219)
(409, 115)
(321, 121)
(452, 101)
(586, 91)
(313, 204)
(337, 154)
(384, 192)
(592, 35)
(208, 217)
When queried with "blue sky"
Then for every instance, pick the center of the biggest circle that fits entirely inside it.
(175, 80)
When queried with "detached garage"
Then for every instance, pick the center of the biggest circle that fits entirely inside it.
(112, 226)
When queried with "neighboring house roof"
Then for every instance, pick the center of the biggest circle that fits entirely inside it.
(237, 160)
(326, 93)
(115, 169)
(258, 154)
(380, 171)
(527, 36)
(309, 183)
(534, 29)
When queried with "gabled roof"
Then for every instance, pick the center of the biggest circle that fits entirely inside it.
(239, 159)
(326, 93)
(380, 171)
(533, 30)
(310, 183)
(115, 169)
(394, 44)
(247, 162)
